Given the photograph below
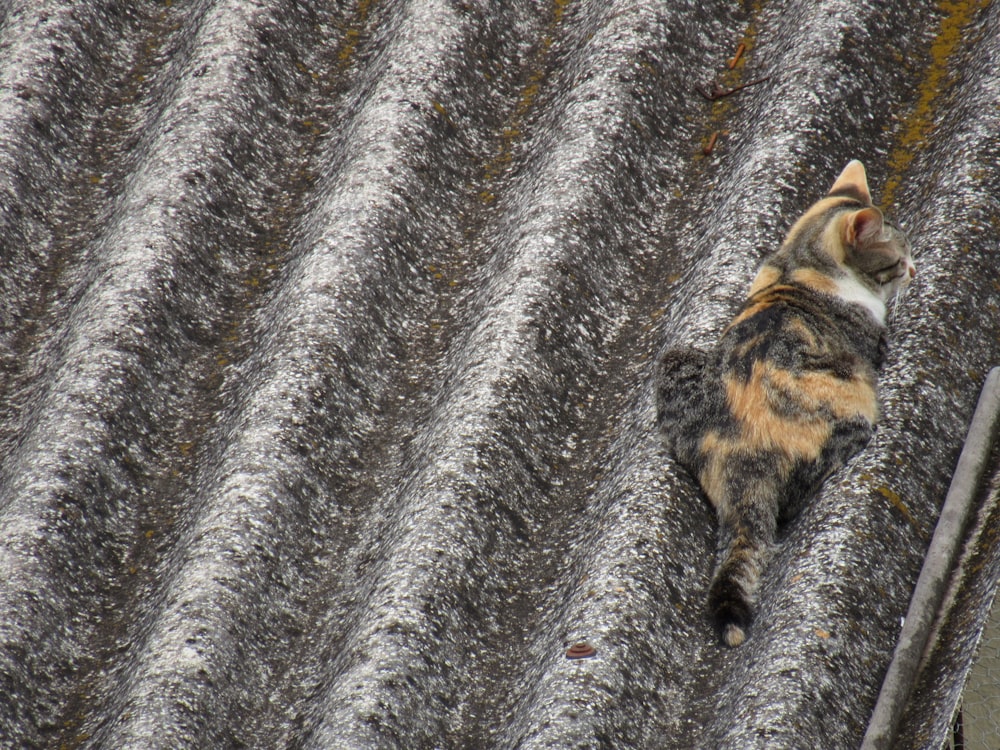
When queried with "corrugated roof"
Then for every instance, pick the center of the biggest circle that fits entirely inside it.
(327, 334)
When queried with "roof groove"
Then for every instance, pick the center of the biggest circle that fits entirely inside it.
(122, 288)
(65, 184)
(307, 275)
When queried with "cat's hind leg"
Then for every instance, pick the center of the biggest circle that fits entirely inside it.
(679, 383)
(683, 403)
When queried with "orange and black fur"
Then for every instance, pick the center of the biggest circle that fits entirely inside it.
(788, 394)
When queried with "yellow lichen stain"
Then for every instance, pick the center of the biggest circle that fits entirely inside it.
(353, 33)
(559, 10)
(440, 108)
(919, 123)
(527, 96)
(822, 633)
(898, 504)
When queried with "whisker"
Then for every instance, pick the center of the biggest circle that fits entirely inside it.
(896, 302)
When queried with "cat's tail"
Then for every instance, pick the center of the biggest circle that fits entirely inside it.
(733, 592)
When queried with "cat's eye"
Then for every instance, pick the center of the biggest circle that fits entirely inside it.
(886, 269)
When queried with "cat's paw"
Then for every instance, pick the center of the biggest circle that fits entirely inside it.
(733, 635)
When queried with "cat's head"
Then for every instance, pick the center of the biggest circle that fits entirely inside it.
(843, 245)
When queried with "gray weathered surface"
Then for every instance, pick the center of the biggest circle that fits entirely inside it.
(326, 337)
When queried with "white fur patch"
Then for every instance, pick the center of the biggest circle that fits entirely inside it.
(851, 290)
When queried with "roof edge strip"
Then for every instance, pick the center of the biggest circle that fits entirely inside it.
(936, 570)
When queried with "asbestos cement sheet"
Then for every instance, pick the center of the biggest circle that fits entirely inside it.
(327, 337)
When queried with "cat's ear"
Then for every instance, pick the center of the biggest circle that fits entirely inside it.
(853, 182)
(862, 226)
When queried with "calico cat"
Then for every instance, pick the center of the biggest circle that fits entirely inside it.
(788, 394)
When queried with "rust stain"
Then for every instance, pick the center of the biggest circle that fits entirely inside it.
(737, 56)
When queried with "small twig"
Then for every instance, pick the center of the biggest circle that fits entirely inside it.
(718, 92)
(710, 95)
(710, 146)
(736, 57)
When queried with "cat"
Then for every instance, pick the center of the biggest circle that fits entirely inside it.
(788, 394)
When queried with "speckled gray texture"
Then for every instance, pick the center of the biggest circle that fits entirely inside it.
(326, 342)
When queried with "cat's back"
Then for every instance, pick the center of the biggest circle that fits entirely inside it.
(794, 356)
(802, 326)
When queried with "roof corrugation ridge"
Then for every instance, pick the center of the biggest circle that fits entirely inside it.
(630, 599)
(64, 504)
(489, 370)
(257, 489)
(145, 368)
(333, 305)
(53, 188)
